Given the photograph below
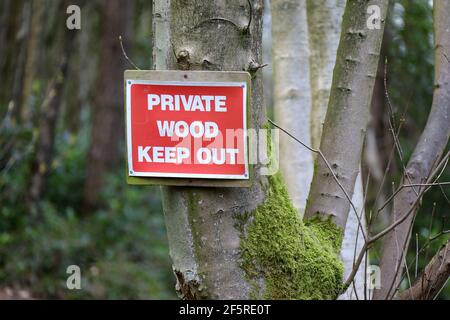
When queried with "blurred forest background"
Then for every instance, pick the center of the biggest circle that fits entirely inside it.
(63, 196)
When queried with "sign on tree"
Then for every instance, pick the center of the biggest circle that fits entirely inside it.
(187, 128)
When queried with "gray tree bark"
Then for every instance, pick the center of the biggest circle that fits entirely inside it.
(203, 240)
(347, 113)
(324, 24)
(292, 95)
(425, 157)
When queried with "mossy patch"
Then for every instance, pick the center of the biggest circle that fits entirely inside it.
(296, 260)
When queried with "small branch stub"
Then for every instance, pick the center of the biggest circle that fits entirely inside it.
(183, 60)
(254, 66)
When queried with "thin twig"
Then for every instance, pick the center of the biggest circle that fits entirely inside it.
(440, 167)
(125, 54)
(319, 152)
(417, 256)
(382, 233)
(444, 160)
(407, 271)
(392, 126)
(388, 165)
(444, 194)
(361, 214)
(369, 242)
(426, 246)
(365, 277)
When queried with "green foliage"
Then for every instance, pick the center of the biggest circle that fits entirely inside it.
(297, 261)
(121, 249)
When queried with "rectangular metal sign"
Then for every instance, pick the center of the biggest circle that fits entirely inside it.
(189, 127)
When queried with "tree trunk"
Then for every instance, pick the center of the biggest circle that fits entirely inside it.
(37, 14)
(5, 12)
(425, 157)
(237, 243)
(107, 123)
(48, 119)
(9, 16)
(204, 244)
(86, 77)
(347, 113)
(324, 24)
(292, 95)
(18, 58)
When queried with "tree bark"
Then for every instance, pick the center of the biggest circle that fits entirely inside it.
(292, 95)
(427, 153)
(107, 124)
(18, 56)
(48, 119)
(324, 24)
(5, 12)
(237, 243)
(35, 33)
(436, 274)
(347, 113)
(86, 77)
(204, 243)
(9, 24)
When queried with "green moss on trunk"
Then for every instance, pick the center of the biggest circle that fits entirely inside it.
(296, 260)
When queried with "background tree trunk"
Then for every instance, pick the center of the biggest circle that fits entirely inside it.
(35, 34)
(5, 12)
(18, 59)
(107, 123)
(49, 114)
(292, 95)
(426, 155)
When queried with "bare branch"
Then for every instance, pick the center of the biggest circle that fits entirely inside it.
(371, 240)
(317, 151)
(397, 144)
(434, 277)
(125, 54)
(422, 164)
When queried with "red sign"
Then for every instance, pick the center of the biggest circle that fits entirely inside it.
(187, 129)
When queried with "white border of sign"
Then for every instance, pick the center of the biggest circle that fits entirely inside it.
(133, 173)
